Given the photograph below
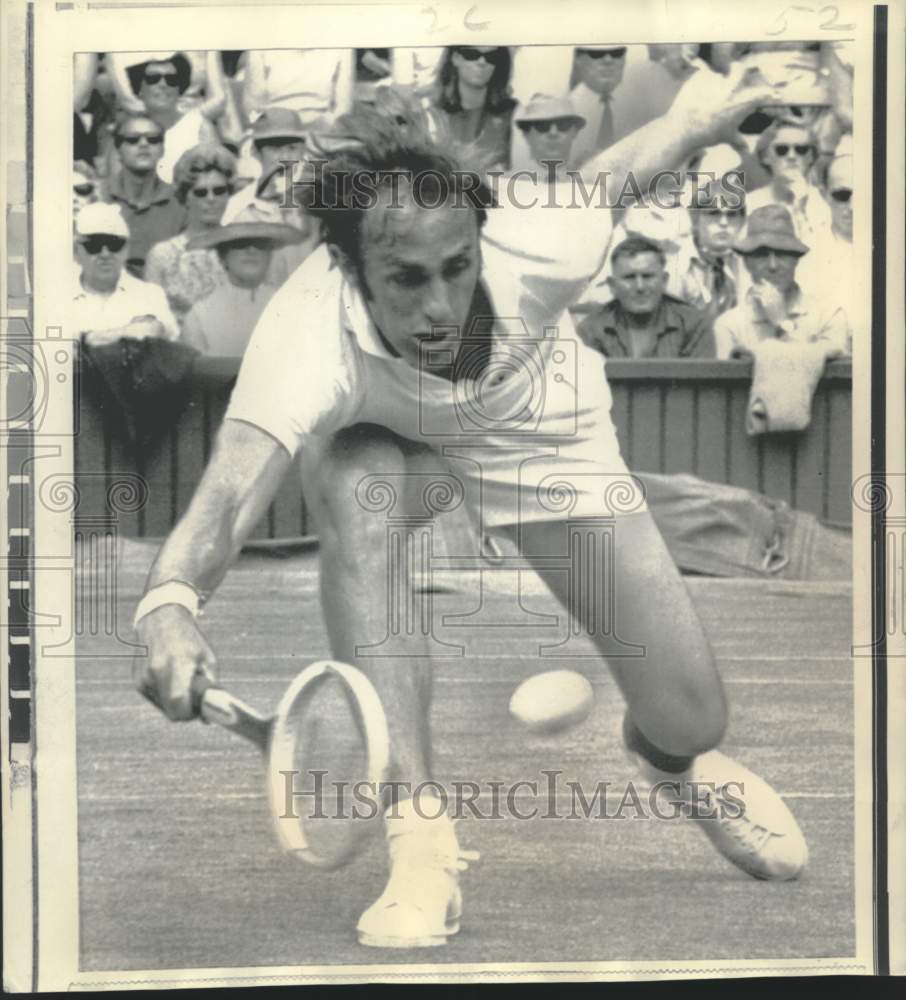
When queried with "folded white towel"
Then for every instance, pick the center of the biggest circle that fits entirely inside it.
(783, 384)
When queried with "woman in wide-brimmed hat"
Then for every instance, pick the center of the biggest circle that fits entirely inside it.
(222, 323)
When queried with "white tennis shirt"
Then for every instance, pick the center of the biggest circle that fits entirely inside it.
(316, 364)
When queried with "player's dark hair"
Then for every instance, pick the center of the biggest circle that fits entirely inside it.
(633, 245)
(377, 147)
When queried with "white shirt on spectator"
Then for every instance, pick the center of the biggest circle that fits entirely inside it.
(828, 272)
(190, 130)
(314, 82)
(100, 317)
(809, 318)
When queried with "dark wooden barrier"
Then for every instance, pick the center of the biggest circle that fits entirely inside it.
(671, 416)
(689, 416)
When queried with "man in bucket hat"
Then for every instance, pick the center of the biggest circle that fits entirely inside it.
(222, 323)
(277, 134)
(775, 306)
(550, 124)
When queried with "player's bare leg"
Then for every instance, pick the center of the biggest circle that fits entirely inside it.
(421, 904)
(676, 707)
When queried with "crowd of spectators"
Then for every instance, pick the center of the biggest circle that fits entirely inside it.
(183, 232)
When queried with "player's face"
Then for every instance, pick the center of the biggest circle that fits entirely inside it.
(420, 269)
(638, 282)
(777, 267)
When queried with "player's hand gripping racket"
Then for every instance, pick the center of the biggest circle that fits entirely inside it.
(327, 750)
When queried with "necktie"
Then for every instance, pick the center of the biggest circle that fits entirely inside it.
(723, 288)
(605, 132)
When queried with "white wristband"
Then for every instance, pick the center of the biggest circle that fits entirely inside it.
(171, 592)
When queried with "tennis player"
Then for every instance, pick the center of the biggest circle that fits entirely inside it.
(398, 342)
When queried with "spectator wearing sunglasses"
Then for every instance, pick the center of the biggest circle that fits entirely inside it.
(222, 323)
(715, 279)
(694, 251)
(550, 126)
(472, 93)
(203, 178)
(84, 187)
(149, 205)
(597, 74)
(108, 302)
(788, 153)
(159, 85)
(838, 188)
(828, 269)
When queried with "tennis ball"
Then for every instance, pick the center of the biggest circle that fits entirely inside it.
(552, 701)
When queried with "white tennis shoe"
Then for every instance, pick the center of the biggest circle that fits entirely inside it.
(421, 905)
(742, 816)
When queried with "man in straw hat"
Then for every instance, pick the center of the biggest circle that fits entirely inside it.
(429, 322)
(222, 323)
(775, 306)
(550, 124)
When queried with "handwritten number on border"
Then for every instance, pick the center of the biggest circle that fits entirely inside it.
(469, 20)
(830, 12)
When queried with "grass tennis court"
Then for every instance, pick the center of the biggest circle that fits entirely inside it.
(179, 866)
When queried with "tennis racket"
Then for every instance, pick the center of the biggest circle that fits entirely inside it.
(327, 750)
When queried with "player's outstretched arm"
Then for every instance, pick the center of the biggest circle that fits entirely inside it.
(707, 110)
(238, 485)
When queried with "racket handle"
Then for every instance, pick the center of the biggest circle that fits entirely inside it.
(217, 705)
